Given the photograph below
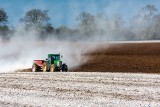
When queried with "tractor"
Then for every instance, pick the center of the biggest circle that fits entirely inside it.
(52, 63)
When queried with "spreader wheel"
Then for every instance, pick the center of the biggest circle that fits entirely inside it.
(34, 68)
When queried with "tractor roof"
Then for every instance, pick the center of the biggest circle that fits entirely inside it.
(53, 54)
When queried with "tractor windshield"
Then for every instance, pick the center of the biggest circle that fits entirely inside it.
(55, 57)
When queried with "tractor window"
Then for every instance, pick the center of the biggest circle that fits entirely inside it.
(56, 57)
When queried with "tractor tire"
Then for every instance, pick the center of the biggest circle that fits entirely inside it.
(57, 69)
(64, 68)
(52, 68)
(44, 67)
(34, 68)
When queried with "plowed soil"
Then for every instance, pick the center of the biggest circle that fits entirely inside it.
(123, 57)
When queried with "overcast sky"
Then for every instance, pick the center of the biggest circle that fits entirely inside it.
(64, 12)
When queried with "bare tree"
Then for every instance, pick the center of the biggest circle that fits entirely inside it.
(49, 28)
(3, 23)
(142, 24)
(87, 22)
(156, 26)
(36, 19)
(3, 17)
(148, 13)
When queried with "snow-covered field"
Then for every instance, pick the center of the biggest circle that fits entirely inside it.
(79, 89)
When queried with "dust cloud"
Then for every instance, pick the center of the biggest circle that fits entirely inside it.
(24, 47)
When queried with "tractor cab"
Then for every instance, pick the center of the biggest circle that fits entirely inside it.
(53, 58)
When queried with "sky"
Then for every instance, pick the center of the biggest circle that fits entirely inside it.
(64, 12)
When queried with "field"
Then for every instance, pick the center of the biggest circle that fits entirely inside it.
(79, 89)
(123, 74)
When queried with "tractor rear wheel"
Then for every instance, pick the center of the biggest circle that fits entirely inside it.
(64, 68)
(34, 68)
(44, 67)
(52, 68)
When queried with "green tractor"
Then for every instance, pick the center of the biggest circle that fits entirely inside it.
(52, 63)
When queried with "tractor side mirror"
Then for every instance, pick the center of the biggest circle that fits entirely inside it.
(61, 56)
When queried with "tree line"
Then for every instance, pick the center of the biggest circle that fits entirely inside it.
(143, 26)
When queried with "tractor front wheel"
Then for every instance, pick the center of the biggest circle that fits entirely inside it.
(52, 68)
(44, 67)
(64, 68)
